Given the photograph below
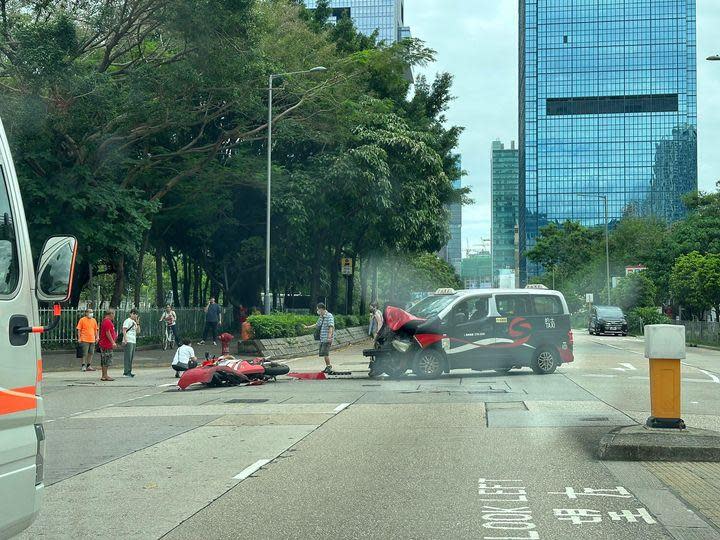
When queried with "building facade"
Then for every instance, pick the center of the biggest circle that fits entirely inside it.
(608, 106)
(476, 272)
(452, 252)
(505, 207)
(385, 16)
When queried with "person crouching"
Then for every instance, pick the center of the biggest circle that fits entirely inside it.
(184, 358)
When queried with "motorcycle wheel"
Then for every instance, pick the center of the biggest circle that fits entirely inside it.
(273, 369)
(395, 367)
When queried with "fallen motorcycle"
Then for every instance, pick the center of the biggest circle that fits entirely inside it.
(230, 372)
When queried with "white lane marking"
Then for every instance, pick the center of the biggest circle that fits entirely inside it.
(619, 369)
(713, 377)
(597, 375)
(629, 366)
(166, 385)
(694, 402)
(252, 469)
(341, 407)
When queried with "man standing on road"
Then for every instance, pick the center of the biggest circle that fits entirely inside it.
(213, 318)
(107, 343)
(326, 325)
(87, 333)
(131, 328)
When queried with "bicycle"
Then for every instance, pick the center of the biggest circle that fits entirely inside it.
(169, 338)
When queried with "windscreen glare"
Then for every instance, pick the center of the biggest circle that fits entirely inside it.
(610, 312)
(431, 306)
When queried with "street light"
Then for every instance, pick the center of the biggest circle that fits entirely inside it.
(607, 238)
(318, 69)
(714, 58)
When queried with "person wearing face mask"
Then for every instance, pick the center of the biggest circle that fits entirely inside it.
(87, 334)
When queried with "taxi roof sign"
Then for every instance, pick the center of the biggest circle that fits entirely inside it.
(446, 290)
(536, 286)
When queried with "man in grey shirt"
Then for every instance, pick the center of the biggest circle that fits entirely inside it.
(213, 318)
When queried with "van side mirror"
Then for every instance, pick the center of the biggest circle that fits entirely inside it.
(56, 268)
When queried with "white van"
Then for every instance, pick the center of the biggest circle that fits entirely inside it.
(21, 407)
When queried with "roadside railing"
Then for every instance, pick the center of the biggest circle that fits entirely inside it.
(190, 322)
(702, 333)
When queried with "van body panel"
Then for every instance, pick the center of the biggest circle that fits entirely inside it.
(19, 364)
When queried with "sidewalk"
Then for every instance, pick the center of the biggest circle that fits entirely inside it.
(145, 356)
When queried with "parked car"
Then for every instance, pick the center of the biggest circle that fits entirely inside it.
(607, 320)
(497, 330)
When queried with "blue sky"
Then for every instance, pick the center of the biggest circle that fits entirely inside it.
(476, 41)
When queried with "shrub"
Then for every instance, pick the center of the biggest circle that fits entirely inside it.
(641, 317)
(280, 325)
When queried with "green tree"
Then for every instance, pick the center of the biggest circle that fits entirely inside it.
(686, 284)
(636, 290)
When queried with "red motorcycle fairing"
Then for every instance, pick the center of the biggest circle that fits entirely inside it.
(396, 318)
(228, 371)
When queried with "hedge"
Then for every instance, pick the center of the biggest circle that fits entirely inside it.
(283, 325)
(638, 318)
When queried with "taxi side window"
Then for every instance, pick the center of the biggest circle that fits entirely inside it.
(512, 305)
(9, 264)
(547, 305)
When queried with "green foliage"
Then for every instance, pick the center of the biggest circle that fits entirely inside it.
(686, 283)
(402, 276)
(643, 316)
(280, 325)
(634, 290)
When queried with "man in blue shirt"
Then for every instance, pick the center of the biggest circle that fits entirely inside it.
(326, 324)
(213, 317)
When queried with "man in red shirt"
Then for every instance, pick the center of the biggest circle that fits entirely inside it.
(107, 343)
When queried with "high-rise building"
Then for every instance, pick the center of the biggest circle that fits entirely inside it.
(605, 86)
(505, 203)
(452, 252)
(385, 16)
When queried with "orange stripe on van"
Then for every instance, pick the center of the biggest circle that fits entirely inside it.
(39, 371)
(17, 400)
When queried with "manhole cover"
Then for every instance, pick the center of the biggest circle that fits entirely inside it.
(595, 419)
(246, 401)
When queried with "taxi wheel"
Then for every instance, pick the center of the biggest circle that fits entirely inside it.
(395, 367)
(428, 364)
(545, 361)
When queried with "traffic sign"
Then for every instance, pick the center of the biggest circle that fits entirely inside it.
(346, 264)
(589, 298)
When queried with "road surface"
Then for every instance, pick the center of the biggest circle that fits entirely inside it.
(470, 455)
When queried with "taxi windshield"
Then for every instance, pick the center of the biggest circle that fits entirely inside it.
(431, 306)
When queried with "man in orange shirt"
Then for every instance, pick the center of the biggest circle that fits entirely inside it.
(87, 329)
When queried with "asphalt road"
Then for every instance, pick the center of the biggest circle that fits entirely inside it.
(470, 455)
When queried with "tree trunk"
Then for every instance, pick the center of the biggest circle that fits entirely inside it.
(172, 268)
(139, 270)
(196, 284)
(186, 280)
(363, 285)
(333, 272)
(315, 279)
(351, 290)
(375, 265)
(214, 290)
(160, 286)
(80, 280)
(206, 285)
(119, 288)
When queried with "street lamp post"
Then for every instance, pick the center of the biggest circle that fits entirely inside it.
(271, 79)
(607, 239)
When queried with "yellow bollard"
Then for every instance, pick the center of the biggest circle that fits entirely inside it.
(665, 348)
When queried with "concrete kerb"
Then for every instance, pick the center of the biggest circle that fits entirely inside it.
(282, 348)
(641, 443)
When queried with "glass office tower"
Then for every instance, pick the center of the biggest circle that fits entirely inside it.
(607, 107)
(385, 16)
(504, 196)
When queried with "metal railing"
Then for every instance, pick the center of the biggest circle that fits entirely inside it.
(190, 322)
(702, 332)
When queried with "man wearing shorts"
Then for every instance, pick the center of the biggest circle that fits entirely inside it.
(326, 324)
(87, 333)
(108, 337)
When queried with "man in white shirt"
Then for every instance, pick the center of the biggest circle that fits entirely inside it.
(184, 358)
(131, 328)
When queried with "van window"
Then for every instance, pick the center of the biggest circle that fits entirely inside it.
(9, 267)
(512, 305)
(547, 305)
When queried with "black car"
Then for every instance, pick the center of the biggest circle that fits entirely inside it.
(607, 320)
